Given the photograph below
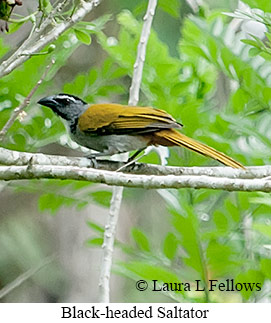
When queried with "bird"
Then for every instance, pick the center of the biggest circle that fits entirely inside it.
(111, 128)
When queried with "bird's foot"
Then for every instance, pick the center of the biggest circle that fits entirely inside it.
(93, 160)
(131, 163)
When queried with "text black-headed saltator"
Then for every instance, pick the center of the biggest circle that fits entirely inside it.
(114, 128)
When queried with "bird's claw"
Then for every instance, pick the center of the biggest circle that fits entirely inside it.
(93, 160)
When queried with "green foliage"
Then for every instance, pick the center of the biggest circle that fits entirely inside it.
(98, 84)
(170, 246)
(82, 36)
(252, 276)
(102, 197)
(161, 71)
(171, 7)
(266, 267)
(140, 239)
(215, 247)
(5, 9)
(151, 271)
(202, 248)
(218, 86)
(45, 6)
(187, 228)
(265, 5)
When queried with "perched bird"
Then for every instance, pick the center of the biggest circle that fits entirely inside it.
(114, 128)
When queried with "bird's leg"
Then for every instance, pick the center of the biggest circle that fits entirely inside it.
(129, 162)
(132, 159)
(93, 157)
(93, 161)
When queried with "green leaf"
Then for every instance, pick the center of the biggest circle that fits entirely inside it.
(264, 229)
(95, 242)
(52, 202)
(240, 99)
(45, 6)
(3, 48)
(223, 259)
(77, 86)
(249, 280)
(15, 26)
(170, 246)
(233, 211)
(221, 221)
(266, 267)
(251, 42)
(95, 25)
(96, 227)
(82, 36)
(265, 5)
(140, 239)
(102, 197)
(187, 227)
(254, 51)
(266, 200)
(151, 272)
(172, 7)
(81, 205)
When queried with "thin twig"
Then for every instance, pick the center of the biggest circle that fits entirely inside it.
(108, 245)
(34, 35)
(25, 103)
(110, 228)
(22, 278)
(141, 53)
(44, 24)
(22, 54)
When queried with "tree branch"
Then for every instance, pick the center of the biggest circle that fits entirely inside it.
(110, 228)
(141, 53)
(8, 173)
(22, 54)
(16, 158)
(108, 244)
(22, 278)
(24, 104)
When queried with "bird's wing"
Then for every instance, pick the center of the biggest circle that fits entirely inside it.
(106, 119)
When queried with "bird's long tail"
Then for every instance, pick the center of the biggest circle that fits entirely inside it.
(171, 137)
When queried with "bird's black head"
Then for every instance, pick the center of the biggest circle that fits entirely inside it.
(67, 106)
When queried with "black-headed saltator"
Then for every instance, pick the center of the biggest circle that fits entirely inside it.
(114, 128)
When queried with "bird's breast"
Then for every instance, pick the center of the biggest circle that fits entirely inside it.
(113, 144)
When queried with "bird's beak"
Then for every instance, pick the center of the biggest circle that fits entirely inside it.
(48, 101)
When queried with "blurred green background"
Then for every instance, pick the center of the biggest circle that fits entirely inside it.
(206, 69)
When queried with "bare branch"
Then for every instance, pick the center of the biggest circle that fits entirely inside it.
(141, 53)
(22, 278)
(110, 228)
(23, 105)
(16, 158)
(108, 245)
(22, 54)
(8, 173)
